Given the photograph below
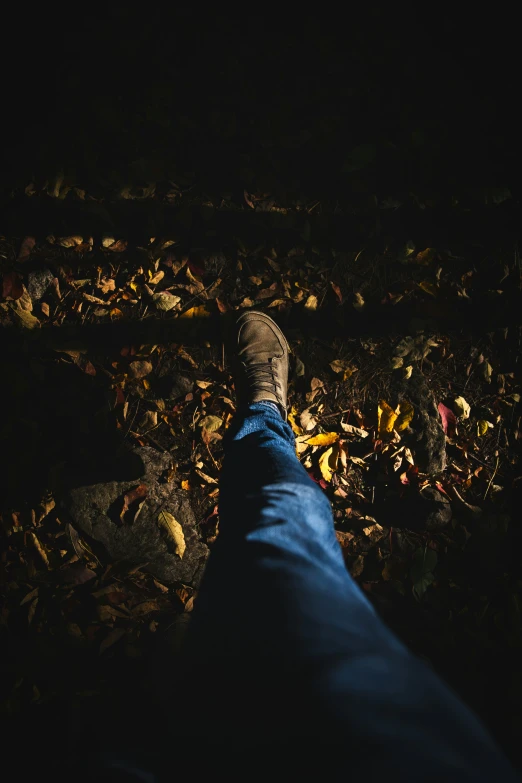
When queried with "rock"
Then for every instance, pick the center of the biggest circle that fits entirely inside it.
(94, 501)
(426, 437)
(170, 383)
(38, 283)
(418, 511)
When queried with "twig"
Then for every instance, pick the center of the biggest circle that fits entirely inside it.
(492, 477)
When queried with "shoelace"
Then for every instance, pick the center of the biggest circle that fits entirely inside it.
(261, 374)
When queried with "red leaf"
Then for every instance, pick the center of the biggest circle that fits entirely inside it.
(195, 267)
(12, 285)
(25, 249)
(337, 292)
(449, 422)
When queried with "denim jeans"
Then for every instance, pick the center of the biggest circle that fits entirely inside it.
(292, 658)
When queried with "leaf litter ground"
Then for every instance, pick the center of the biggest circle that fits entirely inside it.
(414, 438)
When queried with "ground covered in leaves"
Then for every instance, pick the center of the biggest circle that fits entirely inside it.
(414, 437)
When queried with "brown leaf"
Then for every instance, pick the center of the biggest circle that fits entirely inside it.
(307, 420)
(25, 249)
(139, 369)
(337, 291)
(12, 287)
(106, 284)
(77, 574)
(132, 503)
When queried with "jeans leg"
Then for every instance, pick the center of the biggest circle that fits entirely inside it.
(289, 634)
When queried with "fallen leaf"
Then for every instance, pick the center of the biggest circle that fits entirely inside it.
(174, 531)
(139, 369)
(325, 464)
(210, 423)
(132, 503)
(344, 366)
(206, 477)
(185, 484)
(407, 371)
(146, 607)
(106, 284)
(352, 430)
(425, 257)
(357, 566)
(291, 420)
(324, 439)
(77, 574)
(386, 418)
(461, 407)
(406, 412)
(337, 291)
(311, 303)
(25, 319)
(396, 362)
(487, 371)
(165, 301)
(200, 311)
(307, 420)
(358, 301)
(148, 421)
(71, 241)
(483, 426)
(25, 249)
(449, 422)
(12, 286)
(429, 287)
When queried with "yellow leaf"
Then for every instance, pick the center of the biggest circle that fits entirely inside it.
(386, 418)
(483, 426)
(200, 311)
(425, 257)
(344, 366)
(26, 319)
(406, 412)
(407, 371)
(311, 303)
(430, 288)
(291, 420)
(210, 423)
(324, 464)
(185, 484)
(174, 531)
(325, 439)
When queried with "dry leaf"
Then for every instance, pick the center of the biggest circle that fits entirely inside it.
(425, 257)
(311, 303)
(25, 319)
(324, 439)
(429, 287)
(449, 422)
(386, 418)
(352, 430)
(307, 421)
(483, 426)
(139, 369)
(325, 464)
(291, 420)
(461, 407)
(407, 371)
(210, 423)
(344, 366)
(406, 412)
(200, 311)
(174, 531)
(358, 301)
(69, 241)
(25, 249)
(106, 284)
(132, 502)
(185, 484)
(165, 301)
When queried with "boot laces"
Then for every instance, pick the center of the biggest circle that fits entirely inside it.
(261, 375)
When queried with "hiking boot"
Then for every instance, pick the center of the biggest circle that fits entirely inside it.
(261, 366)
